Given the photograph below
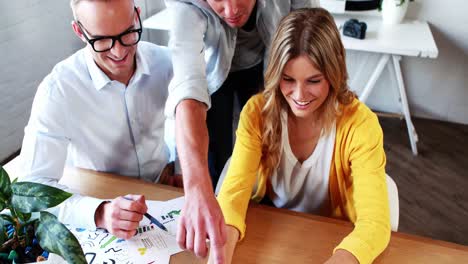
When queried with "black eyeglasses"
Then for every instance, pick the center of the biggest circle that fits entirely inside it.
(105, 43)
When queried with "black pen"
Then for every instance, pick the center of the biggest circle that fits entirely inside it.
(151, 218)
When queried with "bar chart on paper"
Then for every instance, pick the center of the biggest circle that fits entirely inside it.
(149, 245)
(167, 213)
(170, 216)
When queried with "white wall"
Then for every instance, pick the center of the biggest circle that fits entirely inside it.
(437, 89)
(34, 35)
(155, 36)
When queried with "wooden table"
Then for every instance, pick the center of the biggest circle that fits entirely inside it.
(274, 235)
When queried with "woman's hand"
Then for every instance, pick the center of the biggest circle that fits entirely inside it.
(342, 256)
(232, 235)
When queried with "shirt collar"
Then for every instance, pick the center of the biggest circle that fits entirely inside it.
(100, 79)
(141, 62)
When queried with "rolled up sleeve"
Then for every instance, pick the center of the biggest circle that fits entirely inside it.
(187, 30)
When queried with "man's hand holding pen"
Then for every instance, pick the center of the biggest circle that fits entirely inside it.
(121, 216)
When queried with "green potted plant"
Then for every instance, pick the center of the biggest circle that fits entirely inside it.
(25, 229)
(393, 11)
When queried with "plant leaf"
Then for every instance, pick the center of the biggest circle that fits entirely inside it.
(24, 217)
(2, 205)
(7, 218)
(5, 184)
(33, 197)
(54, 237)
(2, 231)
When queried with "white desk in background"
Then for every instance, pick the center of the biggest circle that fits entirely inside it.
(411, 38)
(159, 20)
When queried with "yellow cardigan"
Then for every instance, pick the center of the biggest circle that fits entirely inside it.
(357, 185)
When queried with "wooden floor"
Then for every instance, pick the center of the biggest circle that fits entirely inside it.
(433, 186)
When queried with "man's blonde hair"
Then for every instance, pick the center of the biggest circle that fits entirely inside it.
(74, 4)
(311, 32)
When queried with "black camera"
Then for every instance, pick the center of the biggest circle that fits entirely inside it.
(355, 29)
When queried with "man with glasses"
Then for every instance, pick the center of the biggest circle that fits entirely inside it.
(101, 109)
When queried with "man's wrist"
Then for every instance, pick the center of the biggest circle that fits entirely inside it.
(196, 182)
(99, 215)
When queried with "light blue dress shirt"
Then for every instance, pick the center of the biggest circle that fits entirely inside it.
(203, 45)
(81, 117)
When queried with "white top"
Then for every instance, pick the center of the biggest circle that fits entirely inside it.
(303, 187)
(99, 124)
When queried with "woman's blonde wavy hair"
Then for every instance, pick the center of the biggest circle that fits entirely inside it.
(311, 32)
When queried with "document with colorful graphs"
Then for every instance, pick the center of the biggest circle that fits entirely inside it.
(150, 245)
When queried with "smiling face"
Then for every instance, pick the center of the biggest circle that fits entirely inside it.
(234, 12)
(304, 87)
(109, 18)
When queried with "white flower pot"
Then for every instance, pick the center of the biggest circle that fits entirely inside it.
(392, 12)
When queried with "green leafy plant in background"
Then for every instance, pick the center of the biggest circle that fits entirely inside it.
(18, 200)
(397, 2)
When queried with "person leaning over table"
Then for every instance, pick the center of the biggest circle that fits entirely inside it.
(218, 47)
(308, 144)
(101, 109)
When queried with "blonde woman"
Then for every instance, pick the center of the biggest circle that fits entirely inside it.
(308, 144)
